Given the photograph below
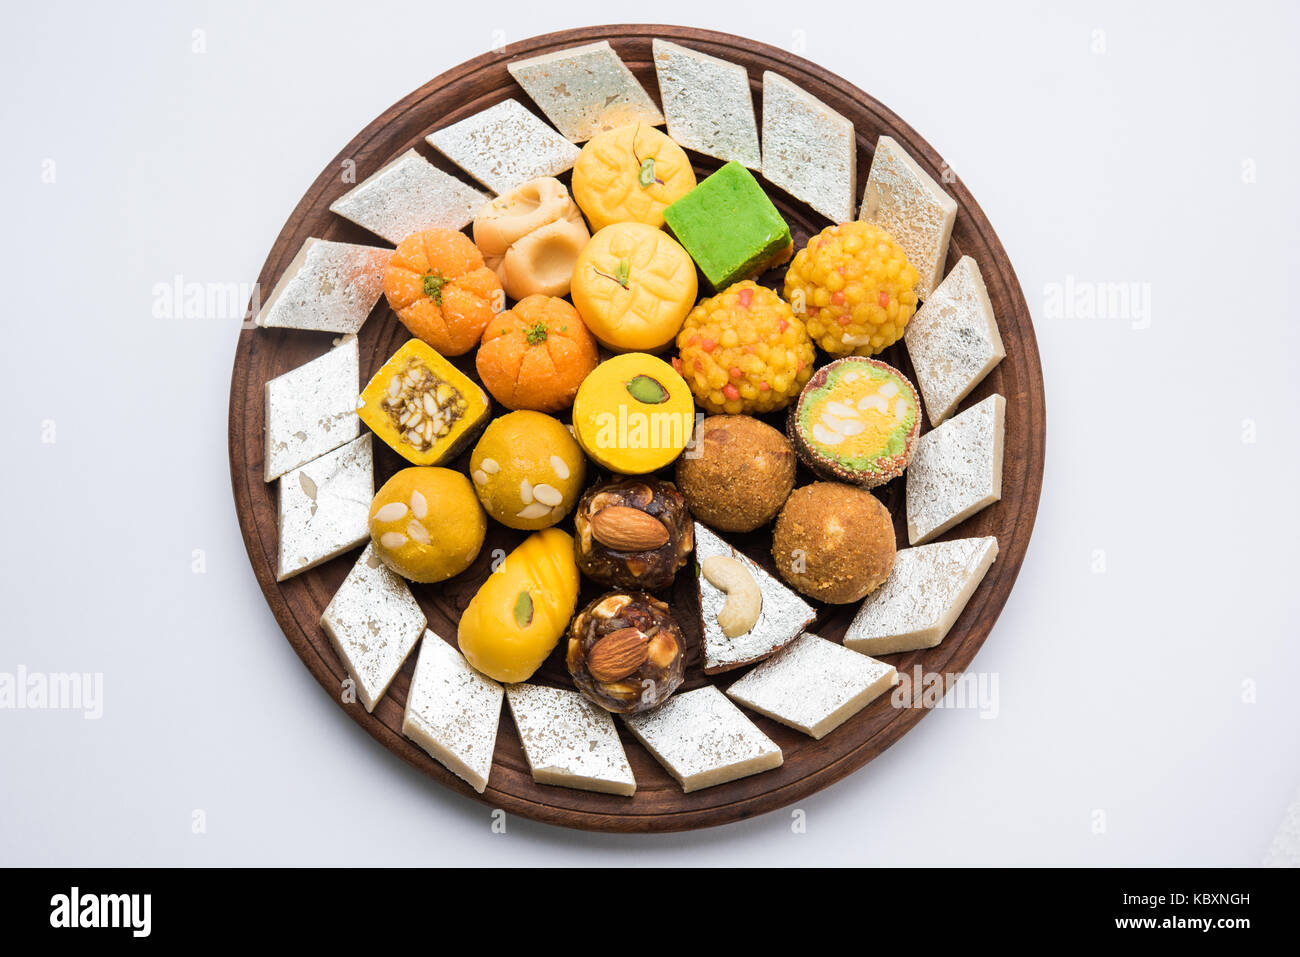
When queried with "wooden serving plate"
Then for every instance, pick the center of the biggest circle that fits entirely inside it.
(659, 804)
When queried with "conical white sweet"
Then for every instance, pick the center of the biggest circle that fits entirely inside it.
(924, 594)
(784, 616)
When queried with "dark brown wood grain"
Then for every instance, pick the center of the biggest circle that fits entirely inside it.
(659, 804)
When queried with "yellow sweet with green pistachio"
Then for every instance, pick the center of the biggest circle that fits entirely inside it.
(633, 414)
(519, 613)
(630, 175)
(427, 524)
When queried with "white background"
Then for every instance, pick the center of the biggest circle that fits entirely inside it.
(1158, 692)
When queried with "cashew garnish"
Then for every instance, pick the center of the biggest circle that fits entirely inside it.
(744, 602)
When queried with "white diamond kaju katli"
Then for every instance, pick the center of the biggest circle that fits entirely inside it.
(809, 150)
(408, 195)
(708, 104)
(814, 685)
(569, 741)
(585, 90)
(504, 146)
(312, 410)
(783, 617)
(453, 712)
(922, 598)
(953, 340)
(329, 287)
(373, 621)
(324, 507)
(956, 470)
(907, 203)
(703, 740)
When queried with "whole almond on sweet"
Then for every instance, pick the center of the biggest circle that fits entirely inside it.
(617, 655)
(626, 529)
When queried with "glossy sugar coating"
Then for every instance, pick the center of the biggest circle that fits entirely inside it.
(569, 741)
(809, 150)
(853, 286)
(324, 507)
(329, 287)
(504, 146)
(744, 351)
(406, 196)
(956, 471)
(730, 227)
(906, 201)
(708, 103)
(312, 409)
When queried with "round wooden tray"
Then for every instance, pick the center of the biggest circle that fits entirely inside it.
(659, 804)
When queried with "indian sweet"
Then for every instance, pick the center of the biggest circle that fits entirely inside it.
(737, 474)
(704, 740)
(630, 175)
(425, 408)
(746, 614)
(809, 150)
(856, 421)
(329, 287)
(527, 469)
(408, 195)
(531, 237)
(707, 103)
(924, 595)
(632, 533)
(426, 523)
(373, 621)
(441, 290)
(569, 741)
(730, 227)
(956, 471)
(633, 285)
(535, 355)
(625, 652)
(312, 409)
(521, 610)
(503, 146)
(814, 685)
(853, 286)
(744, 350)
(906, 201)
(323, 507)
(833, 542)
(633, 414)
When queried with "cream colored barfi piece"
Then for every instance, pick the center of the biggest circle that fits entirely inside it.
(585, 90)
(782, 617)
(312, 410)
(953, 340)
(408, 195)
(569, 741)
(452, 712)
(703, 740)
(373, 621)
(708, 104)
(324, 507)
(956, 470)
(329, 287)
(922, 598)
(907, 203)
(504, 146)
(809, 150)
(814, 685)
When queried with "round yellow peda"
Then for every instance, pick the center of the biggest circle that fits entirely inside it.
(630, 174)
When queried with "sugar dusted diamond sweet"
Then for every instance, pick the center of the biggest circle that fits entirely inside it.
(373, 621)
(324, 507)
(329, 287)
(312, 410)
(953, 340)
(504, 146)
(569, 741)
(809, 150)
(956, 470)
(814, 685)
(906, 201)
(703, 740)
(408, 195)
(924, 594)
(708, 104)
(585, 90)
(452, 712)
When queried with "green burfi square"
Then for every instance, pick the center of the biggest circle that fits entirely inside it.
(730, 227)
